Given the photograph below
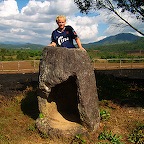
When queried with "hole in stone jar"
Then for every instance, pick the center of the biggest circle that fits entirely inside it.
(65, 95)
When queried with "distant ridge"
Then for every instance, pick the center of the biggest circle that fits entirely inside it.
(116, 39)
(15, 45)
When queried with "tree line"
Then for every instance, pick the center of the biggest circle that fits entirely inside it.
(19, 54)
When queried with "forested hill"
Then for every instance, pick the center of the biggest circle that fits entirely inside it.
(116, 39)
(120, 47)
(123, 41)
(21, 46)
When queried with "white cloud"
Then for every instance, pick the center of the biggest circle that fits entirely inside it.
(85, 27)
(35, 22)
(116, 25)
(35, 7)
(8, 7)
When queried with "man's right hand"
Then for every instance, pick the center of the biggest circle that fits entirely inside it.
(53, 44)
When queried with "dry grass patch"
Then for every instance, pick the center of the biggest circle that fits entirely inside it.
(121, 106)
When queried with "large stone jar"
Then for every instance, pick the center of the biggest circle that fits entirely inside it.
(68, 100)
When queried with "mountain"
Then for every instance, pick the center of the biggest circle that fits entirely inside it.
(116, 39)
(12, 43)
(15, 45)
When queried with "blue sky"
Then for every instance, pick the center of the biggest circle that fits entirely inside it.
(34, 20)
(22, 3)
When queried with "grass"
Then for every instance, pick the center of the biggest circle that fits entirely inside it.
(137, 135)
(112, 138)
(121, 108)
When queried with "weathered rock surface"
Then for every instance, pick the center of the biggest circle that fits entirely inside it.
(68, 96)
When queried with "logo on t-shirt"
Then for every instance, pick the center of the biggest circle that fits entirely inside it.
(61, 40)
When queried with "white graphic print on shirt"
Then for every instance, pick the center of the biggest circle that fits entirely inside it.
(61, 39)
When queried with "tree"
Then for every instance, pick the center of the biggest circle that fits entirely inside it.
(135, 7)
(22, 55)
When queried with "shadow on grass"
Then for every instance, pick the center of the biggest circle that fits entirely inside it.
(123, 91)
(29, 105)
